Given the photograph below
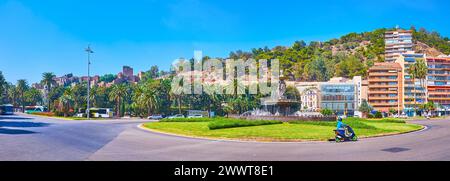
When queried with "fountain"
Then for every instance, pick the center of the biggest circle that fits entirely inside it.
(278, 104)
(279, 107)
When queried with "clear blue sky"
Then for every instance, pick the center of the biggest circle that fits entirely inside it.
(50, 35)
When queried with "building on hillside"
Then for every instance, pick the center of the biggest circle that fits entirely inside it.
(439, 82)
(397, 42)
(413, 91)
(386, 87)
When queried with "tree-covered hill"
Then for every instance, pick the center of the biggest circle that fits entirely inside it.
(350, 55)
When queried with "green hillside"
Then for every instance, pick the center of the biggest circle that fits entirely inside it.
(350, 55)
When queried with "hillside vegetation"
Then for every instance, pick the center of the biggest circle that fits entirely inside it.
(350, 55)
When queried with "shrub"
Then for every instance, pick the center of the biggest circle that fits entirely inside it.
(352, 122)
(189, 120)
(234, 123)
(326, 112)
(49, 114)
(378, 115)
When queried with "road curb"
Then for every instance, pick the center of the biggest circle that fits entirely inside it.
(142, 127)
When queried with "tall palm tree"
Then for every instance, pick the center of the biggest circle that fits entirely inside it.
(413, 72)
(21, 88)
(422, 72)
(118, 92)
(48, 81)
(12, 95)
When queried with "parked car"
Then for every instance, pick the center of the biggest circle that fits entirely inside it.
(176, 116)
(156, 117)
(195, 116)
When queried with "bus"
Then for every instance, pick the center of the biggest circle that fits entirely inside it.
(101, 112)
(6, 109)
(35, 109)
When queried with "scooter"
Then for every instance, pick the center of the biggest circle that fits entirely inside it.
(347, 134)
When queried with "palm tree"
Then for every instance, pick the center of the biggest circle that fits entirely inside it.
(12, 94)
(118, 92)
(48, 81)
(422, 72)
(21, 87)
(65, 101)
(177, 93)
(413, 72)
(147, 96)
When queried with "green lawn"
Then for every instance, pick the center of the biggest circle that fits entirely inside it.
(299, 131)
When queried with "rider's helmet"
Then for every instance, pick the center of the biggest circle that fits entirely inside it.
(340, 119)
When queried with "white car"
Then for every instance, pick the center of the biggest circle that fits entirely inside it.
(176, 116)
(195, 116)
(156, 117)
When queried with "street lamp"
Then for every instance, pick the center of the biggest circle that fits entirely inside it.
(89, 51)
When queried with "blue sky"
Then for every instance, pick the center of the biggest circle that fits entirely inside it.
(50, 35)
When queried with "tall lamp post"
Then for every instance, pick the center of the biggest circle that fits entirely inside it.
(89, 51)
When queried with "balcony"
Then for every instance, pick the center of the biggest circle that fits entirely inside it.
(382, 98)
(383, 104)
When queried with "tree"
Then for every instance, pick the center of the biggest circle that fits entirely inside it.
(422, 72)
(48, 81)
(319, 70)
(350, 67)
(412, 71)
(65, 101)
(108, 78)
(54, 95)
(33, 97)
(21, 88)
(118, 92)
(3, 89)
(154, 72)
(365, 108)
(418, 70)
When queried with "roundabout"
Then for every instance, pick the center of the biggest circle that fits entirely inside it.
(299, 131)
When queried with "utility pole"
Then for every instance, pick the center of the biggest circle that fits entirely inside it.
(89, 51)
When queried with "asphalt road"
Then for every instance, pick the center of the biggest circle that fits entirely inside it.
(35, 138)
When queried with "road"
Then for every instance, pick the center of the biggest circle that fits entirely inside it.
(35, 138)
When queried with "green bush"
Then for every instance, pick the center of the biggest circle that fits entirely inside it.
(326, 112)
(378, 115)
(188, 120)
(234, 123)
(352, 122)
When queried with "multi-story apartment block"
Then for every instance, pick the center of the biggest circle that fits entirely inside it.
(439, 82)
(397, 43)
(386, 87)
(413, 91)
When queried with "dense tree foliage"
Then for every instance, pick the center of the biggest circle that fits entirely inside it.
(433, 39)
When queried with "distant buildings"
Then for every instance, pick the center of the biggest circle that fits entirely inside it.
(126, 76)
(397, 43)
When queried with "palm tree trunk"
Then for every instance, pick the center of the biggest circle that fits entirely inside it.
(118, 107)
(179, 104)
(415, 94)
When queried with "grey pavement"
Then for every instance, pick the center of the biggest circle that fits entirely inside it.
(35, 138)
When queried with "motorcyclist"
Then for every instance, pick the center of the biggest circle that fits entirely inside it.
(340, 127)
